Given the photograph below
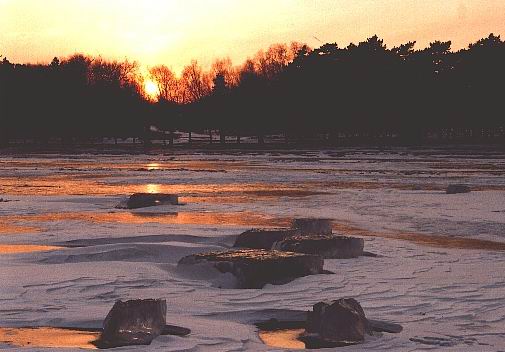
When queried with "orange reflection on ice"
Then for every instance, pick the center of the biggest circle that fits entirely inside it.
(182, 218)
(153, 166)
(79, 185)
(54, 186)
(48, 337)
(423, 239)
(283, 338)
(86, 165)
(24, 248)
(12, 229)
(152, 188)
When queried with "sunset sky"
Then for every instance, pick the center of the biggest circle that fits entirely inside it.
(175, 31)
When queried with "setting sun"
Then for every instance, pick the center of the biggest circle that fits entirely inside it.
(151, 89)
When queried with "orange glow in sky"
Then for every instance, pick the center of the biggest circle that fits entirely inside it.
(173, 32)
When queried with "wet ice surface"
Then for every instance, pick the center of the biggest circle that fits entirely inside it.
(444, 294)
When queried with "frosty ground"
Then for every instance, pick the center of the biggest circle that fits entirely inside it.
(439, 272)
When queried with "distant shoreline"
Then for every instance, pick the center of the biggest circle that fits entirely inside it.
(216, 148)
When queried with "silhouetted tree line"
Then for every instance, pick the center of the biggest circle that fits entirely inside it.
(364, 92)
(79, 98)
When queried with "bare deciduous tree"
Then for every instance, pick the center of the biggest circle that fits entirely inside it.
(195, 83)
(167, 83)
(224, 67)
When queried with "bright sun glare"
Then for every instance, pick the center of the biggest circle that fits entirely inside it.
(153, 188)
(151, 89)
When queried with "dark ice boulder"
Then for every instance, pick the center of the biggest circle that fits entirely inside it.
(455, 189)
(254, 268)
(312, 226)
(175, 330)
(338, 323)
(329, 325)
(135, 322)
(384, 326)
(143, 200)
(263, 238)
(327, 246)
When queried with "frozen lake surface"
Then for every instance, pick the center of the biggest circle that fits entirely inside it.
(439, 272)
